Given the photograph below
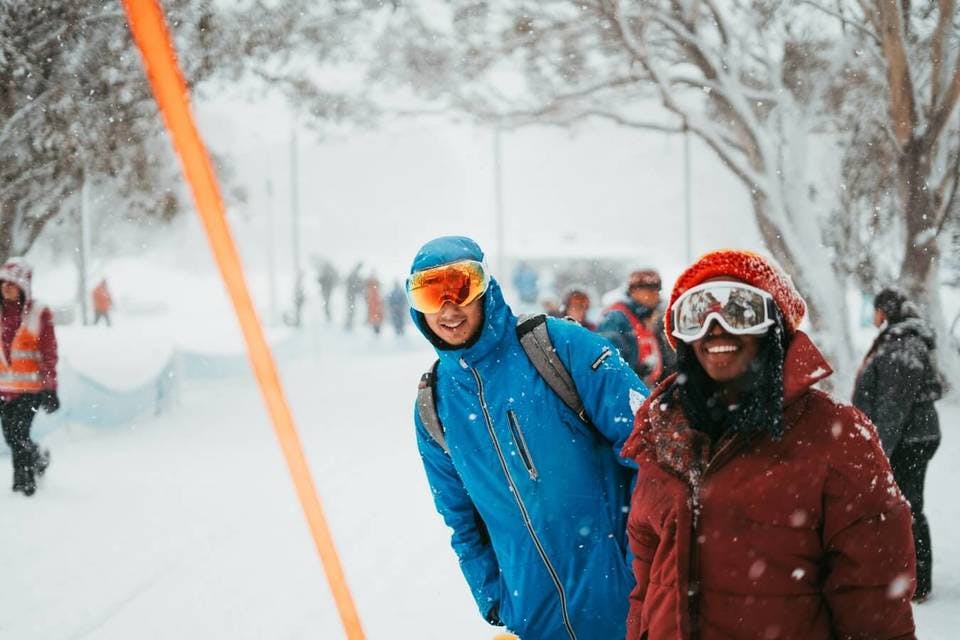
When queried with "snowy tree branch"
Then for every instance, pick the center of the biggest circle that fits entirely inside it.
(946, 9)
(947, 202)
(858, 26)
(742, 171)
(903, 105)
(945, 108)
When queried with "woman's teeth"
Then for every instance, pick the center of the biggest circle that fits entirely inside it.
(451, 325)
(722, 349)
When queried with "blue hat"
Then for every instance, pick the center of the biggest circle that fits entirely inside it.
(444, 250)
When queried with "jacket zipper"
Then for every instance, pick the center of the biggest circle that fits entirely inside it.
(521, 443)
(693, 590)
(554, 576)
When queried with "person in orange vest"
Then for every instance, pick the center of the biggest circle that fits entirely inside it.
(575, 305)
(374, 303)
(630, 325)
(102, 303)
(28, 371)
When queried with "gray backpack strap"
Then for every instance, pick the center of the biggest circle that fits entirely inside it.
(533, 336)
(427, 407)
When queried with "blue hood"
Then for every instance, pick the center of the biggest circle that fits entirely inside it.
(497, 316)
(444, 250)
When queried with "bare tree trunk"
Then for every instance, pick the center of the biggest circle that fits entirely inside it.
(921, 253)
(826, 302)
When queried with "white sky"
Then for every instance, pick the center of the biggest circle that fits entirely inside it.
(379, 195)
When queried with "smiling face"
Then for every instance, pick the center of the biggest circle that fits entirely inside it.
(9, 291)
(456, 325)
(647, 296)
(577, 307)
(724, 356)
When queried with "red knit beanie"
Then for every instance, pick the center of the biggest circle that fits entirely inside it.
(754, 269)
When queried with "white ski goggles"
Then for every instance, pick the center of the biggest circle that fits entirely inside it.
(737, 307)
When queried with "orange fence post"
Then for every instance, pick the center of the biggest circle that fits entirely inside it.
(149, 28)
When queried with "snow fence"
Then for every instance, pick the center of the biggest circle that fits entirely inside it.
(85, 400)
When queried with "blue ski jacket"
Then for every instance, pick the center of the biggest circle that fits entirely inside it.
(537, 499)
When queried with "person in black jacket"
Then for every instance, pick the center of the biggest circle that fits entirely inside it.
(896, 387)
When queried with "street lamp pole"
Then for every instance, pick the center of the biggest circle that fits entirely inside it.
(271, 253)
(498, 198)
(687, 206)
(295, 223)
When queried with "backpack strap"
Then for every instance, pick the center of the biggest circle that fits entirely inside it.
(535, 340)
(427, 407)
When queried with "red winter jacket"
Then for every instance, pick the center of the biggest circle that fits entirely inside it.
(11, 315)
(806, 538)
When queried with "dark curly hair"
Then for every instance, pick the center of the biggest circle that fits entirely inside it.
(895, 305)
(761, 389)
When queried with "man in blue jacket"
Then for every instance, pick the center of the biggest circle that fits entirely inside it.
(535, 495)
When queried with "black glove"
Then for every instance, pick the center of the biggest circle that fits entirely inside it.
(49, 401)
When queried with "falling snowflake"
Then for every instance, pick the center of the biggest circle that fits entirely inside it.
(757, 569)
(899, 586)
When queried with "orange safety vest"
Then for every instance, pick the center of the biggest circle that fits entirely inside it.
(22, 373)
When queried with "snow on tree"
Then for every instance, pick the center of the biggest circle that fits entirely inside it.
(900, 135)
(75, 106)
(773, 88)
(737, 76)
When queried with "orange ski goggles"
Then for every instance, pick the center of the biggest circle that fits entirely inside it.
(458, 282)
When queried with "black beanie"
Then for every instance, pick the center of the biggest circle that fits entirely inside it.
(894, 304)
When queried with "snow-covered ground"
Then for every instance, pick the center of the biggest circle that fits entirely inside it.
(186, 525)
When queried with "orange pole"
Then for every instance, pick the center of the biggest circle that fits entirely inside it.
(151, 35)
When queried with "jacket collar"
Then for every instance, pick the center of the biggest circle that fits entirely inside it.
(803, 367)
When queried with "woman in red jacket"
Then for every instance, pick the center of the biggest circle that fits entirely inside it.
(28, 371)
(763, 508)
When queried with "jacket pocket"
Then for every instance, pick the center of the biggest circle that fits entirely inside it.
(521, 443)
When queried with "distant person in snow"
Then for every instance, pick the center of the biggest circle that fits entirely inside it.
(575, 305)
(550, 305)
(534, 492)
(525, 279)
(398, 308)
(896, 387)
(763, 508)
(630, 325)
(374, 303)
(353, 287)
(102, 303)
(327, 280)
(299, 297)
(28, 372)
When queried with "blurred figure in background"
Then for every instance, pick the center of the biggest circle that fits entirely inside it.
(327, 279)
(896, 387)
(294, 317)
(353, 286)
(525, 282)
(630, 325)
(397, 307)
(576, 304)
(102, 303)
(668, 357)
(550, 305)
(374, 303)
(28, 372)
